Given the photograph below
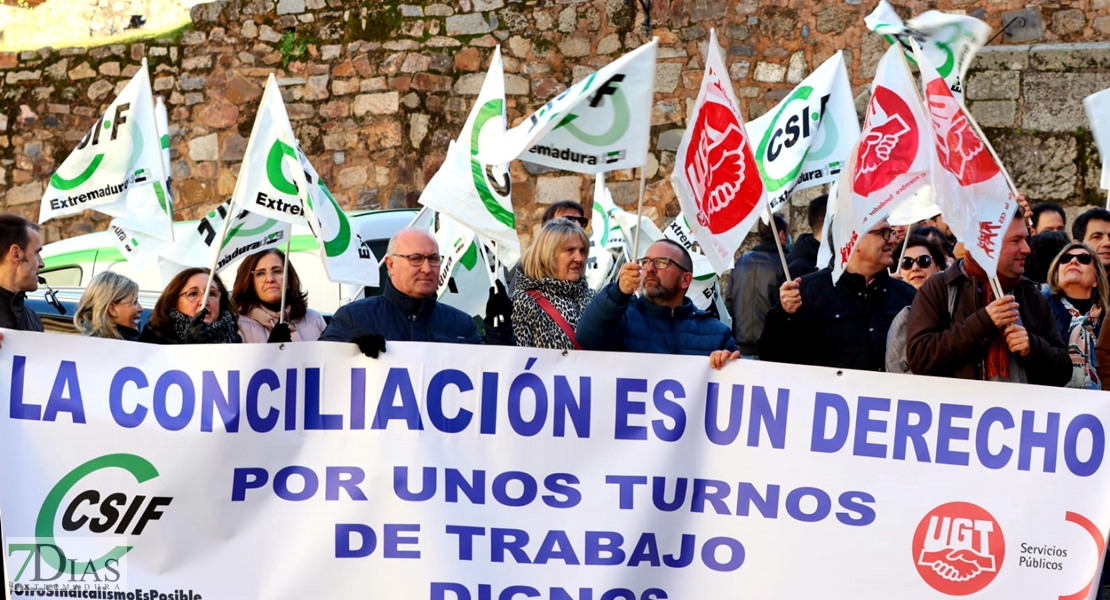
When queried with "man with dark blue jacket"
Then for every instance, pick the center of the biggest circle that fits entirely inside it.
(407, 310)
(662, 319)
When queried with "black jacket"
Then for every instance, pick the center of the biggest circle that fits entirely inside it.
(14, 314)
(753, 288)
(401, 318)
(802, 259)
(842, 325)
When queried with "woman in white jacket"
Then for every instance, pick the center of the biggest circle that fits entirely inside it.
(257, 293)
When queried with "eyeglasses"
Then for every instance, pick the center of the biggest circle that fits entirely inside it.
(582, 221)
(924, 261)
(275, 272)
(887, 233)
(195, 295)
(417, 260)
(660, 263)
(1084, 259)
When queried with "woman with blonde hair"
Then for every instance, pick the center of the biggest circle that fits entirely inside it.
(1077, 294)
(110, 308)
(551, 290)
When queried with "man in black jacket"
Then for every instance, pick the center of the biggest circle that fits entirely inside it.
(844, 324)
(20, 261)
(753, 287)
(802, 259)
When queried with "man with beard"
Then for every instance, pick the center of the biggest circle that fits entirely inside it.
(407, 310)
(661, 320)
(957, 328)
(842, 324)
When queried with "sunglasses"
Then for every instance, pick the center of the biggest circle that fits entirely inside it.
(1084, 259)
(924, 261)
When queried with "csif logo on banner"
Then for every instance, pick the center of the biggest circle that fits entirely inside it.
(104, 131)
(98, 523)
(800, 119)
(618, 126)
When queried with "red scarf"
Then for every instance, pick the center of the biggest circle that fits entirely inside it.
(998, 355)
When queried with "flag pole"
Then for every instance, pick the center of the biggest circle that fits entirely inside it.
(639, 214)
(285, 275)
(216, 252)
(778, 242)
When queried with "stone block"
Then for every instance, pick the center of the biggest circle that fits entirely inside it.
(999, 58)
(415, 63)
(468, 24)
(18, 76)
(1102, 24)
(205, 147)
(1070, 57)
(994, 113)
(834, 20)
(192, 83)
(667, 76)
(99, 89)
(418, 129)
(574, 47)
(233, 147)
(1029, 28)
(267, 34)
(994, 85)
(193, 37)
(384, 133)
(317, 88)
(484, 5)
(469, 84)
(58, 69)
(24, 194)
(708, 10)
(1068, 21)
(81, 71)
(568, 19)
(798, 68)
(767, 72)
(739, 70)
(515, 85)
(351, 177)
(376, 104)
(342, 87)
(1044, 167)
(290, 7)
(609, 44)
(410, 10)
(438, 10)
(1055, 103)
(550, 190)
(192, 63)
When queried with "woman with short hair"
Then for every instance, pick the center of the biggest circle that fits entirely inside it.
(1077, 294)
(109, 308)
(179, 317)
(921, 259)
(257, 293)
(551, 290)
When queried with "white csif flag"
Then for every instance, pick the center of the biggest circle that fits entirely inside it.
(1097, 107)
(715, 174)
(705, 288)
(599, 124)
(271, 180)
(347, 257)
(892, 159)
(972, 191)
(465, 276)
(476, 194)
(117, 167)
(948, 41)
(804, 141)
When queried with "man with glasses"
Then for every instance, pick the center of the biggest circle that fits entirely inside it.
(661, 320)
(957, 328)
(845, 324)
(407, 310)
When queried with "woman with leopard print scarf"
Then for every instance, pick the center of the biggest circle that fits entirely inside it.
(551, 290)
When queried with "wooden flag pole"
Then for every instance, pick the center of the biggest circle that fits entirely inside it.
(778, 242)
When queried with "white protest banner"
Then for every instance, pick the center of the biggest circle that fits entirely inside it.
(476, 194)
(1097, 107)
(310, 471)
(715, 175)
(347, 257)
(465, 275)
(117, 167)
(972, 191)
(607, 243)
(805, 140)
(601, 123)
(271, 180)
(894, 157)
(949, 41)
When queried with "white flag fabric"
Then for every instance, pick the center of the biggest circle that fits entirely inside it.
(347, 257)
(599, 124)
(117, 167)
(948, 41)
(607, 244)
(1097, 107)
(477, 194)
(972, 192)
(464, 276)
(247, 234)
(715, 175)
(271, 180)
(922, 205)
(162, 121)
(824, 251)
(893, 158)
(705, 288)
(804, 141)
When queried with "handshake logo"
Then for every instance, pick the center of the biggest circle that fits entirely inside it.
(958, 548)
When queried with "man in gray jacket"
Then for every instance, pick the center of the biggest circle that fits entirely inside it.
(753, 287)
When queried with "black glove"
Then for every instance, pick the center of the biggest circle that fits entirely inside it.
(499, 308)
(370, 344)
(280, 334)
(198, 332)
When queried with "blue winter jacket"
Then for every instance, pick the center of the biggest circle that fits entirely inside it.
(617, 321)
(401, 318)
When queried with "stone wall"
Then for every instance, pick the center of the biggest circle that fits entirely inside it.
(375, 90)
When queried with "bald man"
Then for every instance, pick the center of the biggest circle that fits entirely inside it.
(407, 310)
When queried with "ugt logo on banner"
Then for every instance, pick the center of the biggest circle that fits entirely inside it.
(890, 145)
(83, 556)
(958, 548)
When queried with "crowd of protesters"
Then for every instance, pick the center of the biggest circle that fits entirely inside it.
(909, 301)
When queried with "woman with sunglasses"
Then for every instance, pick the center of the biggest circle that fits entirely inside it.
(921, 259)
(180, 318)
(551, 290)
(257, 294)
(1077, 294)
(109, 308)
